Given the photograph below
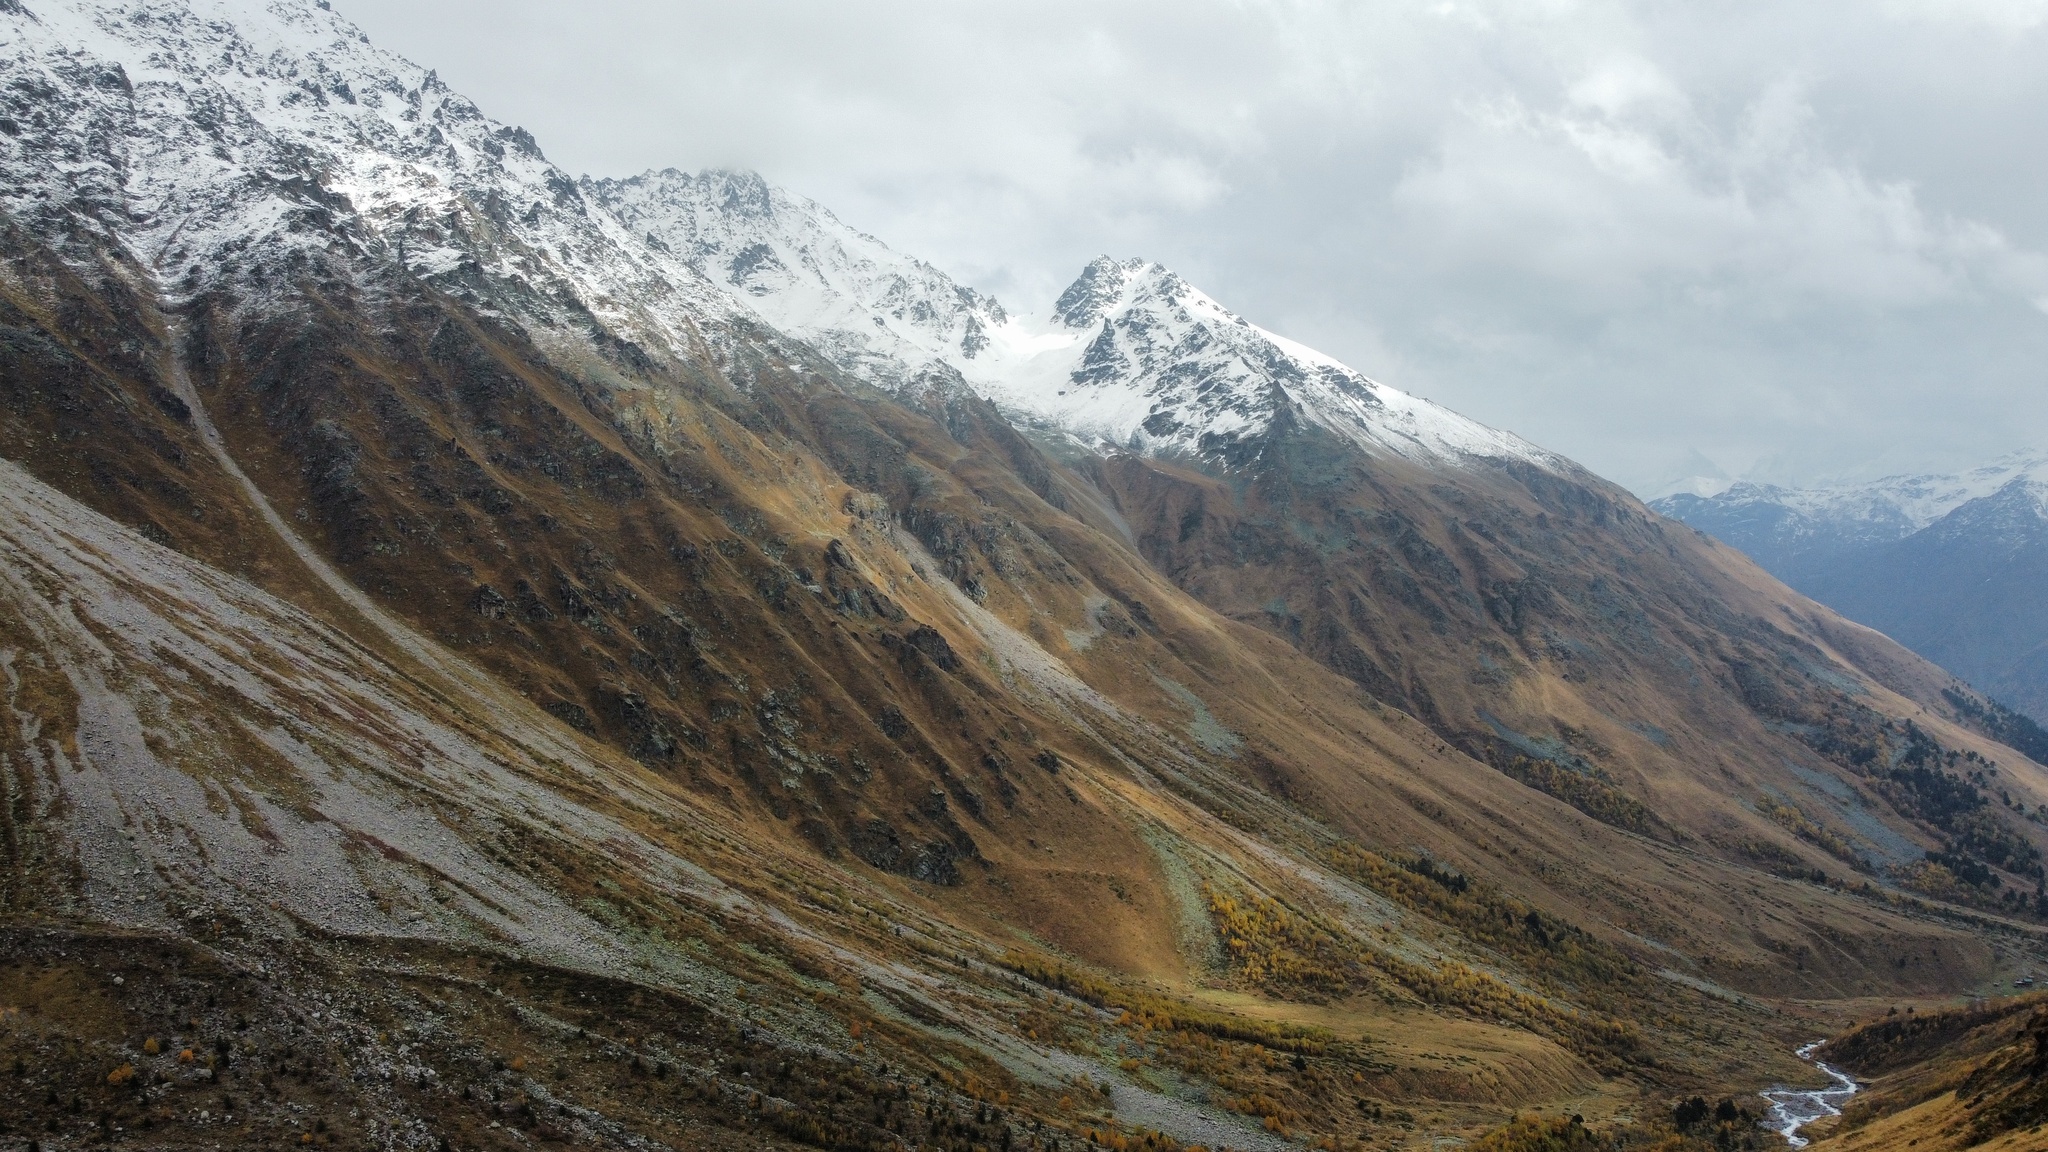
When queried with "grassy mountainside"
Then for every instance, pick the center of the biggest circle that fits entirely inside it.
(1973, 1077)
(443, 710)
(1122, 838)
(1551, 627)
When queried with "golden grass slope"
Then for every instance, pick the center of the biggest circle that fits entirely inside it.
(656, 681)
(1960, 1078)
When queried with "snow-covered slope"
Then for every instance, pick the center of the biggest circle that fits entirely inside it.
(234, 142)
(1148, 361)
(223, 142)
(1130, 355)
(1914, 501)
(881, 314)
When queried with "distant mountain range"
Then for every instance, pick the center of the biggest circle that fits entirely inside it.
(1953, 566)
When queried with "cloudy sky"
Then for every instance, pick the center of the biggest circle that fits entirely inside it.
(1802, 239)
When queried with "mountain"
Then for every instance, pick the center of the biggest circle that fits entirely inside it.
(1959, 1078)
(494, 657)
(1797, 530)
(793, 263)
(1295, 495)
(1952, 566)
(1702, 478)
(1130, 356)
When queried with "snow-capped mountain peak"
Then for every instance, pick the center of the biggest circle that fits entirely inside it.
(241, 143)
(881, 314)
(230, 142)
(1138, 357)
(1131, 354)
(1099, 289)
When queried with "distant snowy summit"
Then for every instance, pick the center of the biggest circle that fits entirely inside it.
(879, 314)
(1954, 566)
(1789, 530)
(1131, 356)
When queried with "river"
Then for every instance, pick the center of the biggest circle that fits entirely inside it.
(1795, 1108)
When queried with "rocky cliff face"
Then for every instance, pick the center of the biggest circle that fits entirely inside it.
(545, 610)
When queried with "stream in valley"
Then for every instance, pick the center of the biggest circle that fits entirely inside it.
(1795, 1108)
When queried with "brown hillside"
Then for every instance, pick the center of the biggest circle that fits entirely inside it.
(1973, 1077)
(446, 710)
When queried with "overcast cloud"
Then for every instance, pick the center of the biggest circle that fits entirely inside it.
(1806, 239)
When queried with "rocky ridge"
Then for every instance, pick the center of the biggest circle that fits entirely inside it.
(225, 144)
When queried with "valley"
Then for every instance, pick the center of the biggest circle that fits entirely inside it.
(494, 658)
